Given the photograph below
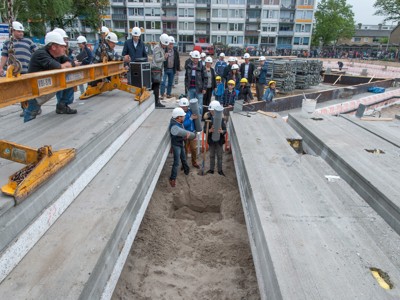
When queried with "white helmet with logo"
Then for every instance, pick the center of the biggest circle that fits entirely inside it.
(183, 102)
(17, 26)
(213, 105)
(164, 39)
(136, 31)
(81, 39)
(171, 40)
(105, 30)
(235, 67)
(230, 59)
(61, 31)
(203, 54)
(222, 54)
(195, 54)
(209, 59)
(112, 37)
(246, 55)
(54, 37)
(178, 112)
(262, 58)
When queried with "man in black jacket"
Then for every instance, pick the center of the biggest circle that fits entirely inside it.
(51, 57)
(247, 69)
(134, 48)
(171, 66)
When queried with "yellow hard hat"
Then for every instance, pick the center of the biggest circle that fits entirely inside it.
(218, 78)
(231, 82)
(243, 80)
(271, 82)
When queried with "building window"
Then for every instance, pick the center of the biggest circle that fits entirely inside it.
(153, 25)
(357, 39)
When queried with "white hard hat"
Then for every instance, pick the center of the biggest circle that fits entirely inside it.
(178, 112)
(136, 31)
(104, 29)
(190, 53)
(164, 39)
(203, 54)
(209, 59)
(235, 67)
(17, 26)
(231, 59)
(112, 37)
(61, 31)
(54, 37)
(183, 102)
(81, 39)
(222, 54)
(171, 40)
(195, 54)
(262, 58)
(213, 105)
(246, 55)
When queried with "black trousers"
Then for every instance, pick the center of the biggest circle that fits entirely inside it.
(156, 90)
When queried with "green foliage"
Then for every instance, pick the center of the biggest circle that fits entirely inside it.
(334, 20)
(55, 13)
(388, 8)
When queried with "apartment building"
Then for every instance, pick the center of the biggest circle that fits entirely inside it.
(268, 24)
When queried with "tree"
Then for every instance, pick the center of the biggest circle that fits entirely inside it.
(388, 8)
(55, 13)
(334, 20)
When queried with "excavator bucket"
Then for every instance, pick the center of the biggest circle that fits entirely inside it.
(41, 164)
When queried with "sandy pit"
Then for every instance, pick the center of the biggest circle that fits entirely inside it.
(193, 242)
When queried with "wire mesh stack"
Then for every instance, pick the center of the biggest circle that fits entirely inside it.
(284, 74)
(315, 72)
(303, 78)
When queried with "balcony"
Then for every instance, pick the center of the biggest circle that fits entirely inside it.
(203, 4)
(203, 20)
(169, 18)
(251, 32)
(170, 31)
(286, 33)
(201, 31)
(120, 17)
(288, 7)
(286, 20)
(253, 20)
(168, 4)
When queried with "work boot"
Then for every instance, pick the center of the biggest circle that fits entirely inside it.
(62, 108)
(172, 182)
(159, 105)
(221, 173)
(195, 165)
(210, 172)
(169, 96)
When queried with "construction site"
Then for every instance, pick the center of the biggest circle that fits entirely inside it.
(309, 207)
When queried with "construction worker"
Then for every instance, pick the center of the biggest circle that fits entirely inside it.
(227, 69)
(247, 68)
(215, 147)
(50, 57)
(261, 79)
(104, 31)
(270, 92)
(195, 80)
(134, 48)
(159, 57)
(230, 96)
(188, 124)
(171, 66)
(203, 58)
(220, 65)
(234, 75)
(23, 50)
(177, 144)
(85, 56)
(211, 83)
(66, 97)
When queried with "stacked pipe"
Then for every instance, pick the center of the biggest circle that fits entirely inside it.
(284, 75)
(303, 78)
(315, 72)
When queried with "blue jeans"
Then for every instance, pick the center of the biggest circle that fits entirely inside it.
(168, 73)
(31, 111)
(199, 96)
(65, 96)
(179, 153)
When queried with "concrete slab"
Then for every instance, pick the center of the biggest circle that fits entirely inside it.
(388, 131)
(76, 257)
(311, 238)
(349, 149)
(99, 124)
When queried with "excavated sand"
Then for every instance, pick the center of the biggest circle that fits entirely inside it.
(192, 243)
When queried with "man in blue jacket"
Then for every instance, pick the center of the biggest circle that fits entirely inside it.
(261, 79)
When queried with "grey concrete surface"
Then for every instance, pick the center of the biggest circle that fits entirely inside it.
(344, 146)
(75, 258)
(100, 120)
(386, 130)
(311, 238)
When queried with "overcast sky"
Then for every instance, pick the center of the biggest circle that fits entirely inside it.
(364, 12)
